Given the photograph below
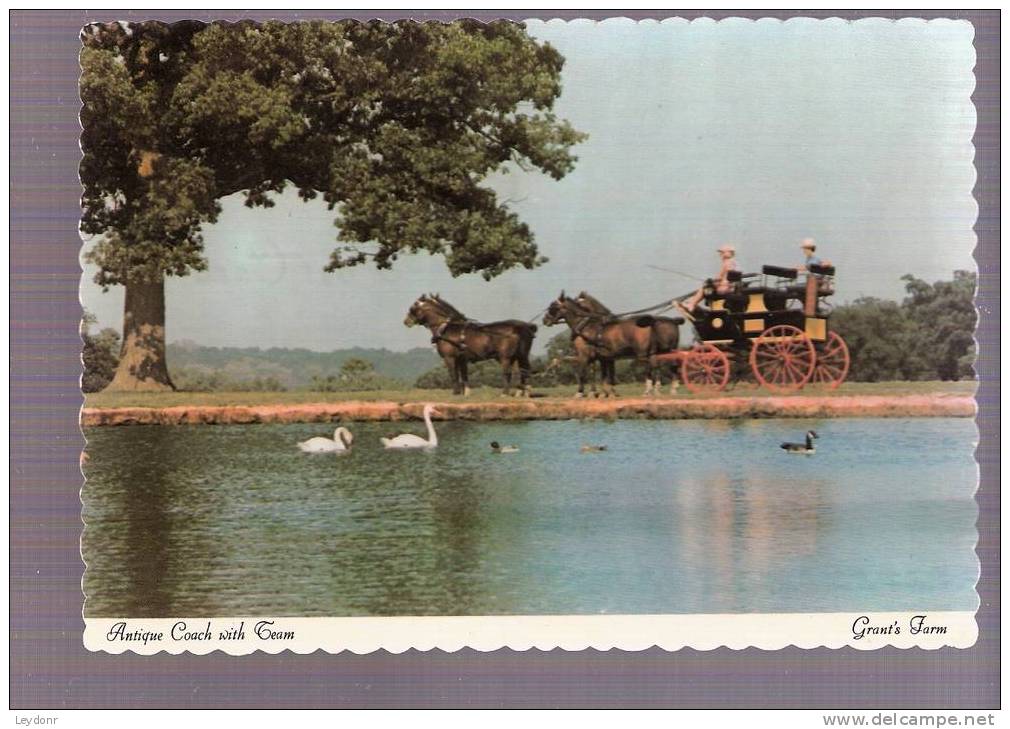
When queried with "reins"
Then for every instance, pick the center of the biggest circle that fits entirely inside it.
(452, 315)
(657, 308)
(533, 319)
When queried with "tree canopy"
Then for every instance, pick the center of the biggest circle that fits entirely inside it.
(395, 126)
(100, 355)
(928, 336)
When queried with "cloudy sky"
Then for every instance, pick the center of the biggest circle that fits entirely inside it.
(752, 133)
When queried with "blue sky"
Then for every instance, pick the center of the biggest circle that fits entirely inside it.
(703, 133)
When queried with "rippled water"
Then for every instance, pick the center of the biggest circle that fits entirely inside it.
(675, 517)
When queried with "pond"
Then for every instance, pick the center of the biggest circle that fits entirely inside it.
(673, 517)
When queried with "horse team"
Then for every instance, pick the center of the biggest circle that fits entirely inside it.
(598, 337)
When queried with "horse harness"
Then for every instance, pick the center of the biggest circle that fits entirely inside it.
(439, 334)
(579, 326)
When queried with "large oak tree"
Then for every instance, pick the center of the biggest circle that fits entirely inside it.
(395, 126)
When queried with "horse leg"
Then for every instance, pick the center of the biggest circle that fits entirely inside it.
(659, 369)
(604, 378)
(584, 372)
(581, 371)
(612, 377)
(523, 360)
(675, 377)
(464, 377)
(650, 373)
(506, 375)
(450, 364)
(663, 367)
(597, 374)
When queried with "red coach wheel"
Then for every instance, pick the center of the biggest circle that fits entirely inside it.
(832, 362)
(783, 358)
(705, 369)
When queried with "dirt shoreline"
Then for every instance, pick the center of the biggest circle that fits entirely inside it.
(874, 406)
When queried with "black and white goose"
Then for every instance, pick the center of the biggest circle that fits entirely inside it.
(805, 449)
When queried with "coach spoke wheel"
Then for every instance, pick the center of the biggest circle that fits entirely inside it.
(783, 358)
(705, 369)
(832, 362)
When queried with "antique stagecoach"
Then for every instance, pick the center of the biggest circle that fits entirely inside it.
(773, 325)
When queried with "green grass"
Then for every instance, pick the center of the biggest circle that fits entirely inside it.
(484, 394)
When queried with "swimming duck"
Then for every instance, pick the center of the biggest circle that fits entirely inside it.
(342, 440)
(497, 448)
(592, 448)
(806, 449)
(409, 440)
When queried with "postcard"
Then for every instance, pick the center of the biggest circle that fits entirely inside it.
(554, 334)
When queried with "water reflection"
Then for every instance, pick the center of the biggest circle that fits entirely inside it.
(137, 551)
(673, 517)
(744, 531)
(410, 547)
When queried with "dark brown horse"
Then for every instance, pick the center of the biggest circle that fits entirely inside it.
(603, 338)
(460, 341)
(666, 337)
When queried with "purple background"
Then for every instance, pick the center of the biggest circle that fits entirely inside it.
(49, 667)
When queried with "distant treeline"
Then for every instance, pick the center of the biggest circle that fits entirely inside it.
(200, 368)
(927, 336)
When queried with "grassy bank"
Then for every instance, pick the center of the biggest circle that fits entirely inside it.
(104, 400)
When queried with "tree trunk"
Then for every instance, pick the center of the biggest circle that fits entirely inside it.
(143, 365)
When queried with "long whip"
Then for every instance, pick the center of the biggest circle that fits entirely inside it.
(658, 308)
(679, 273)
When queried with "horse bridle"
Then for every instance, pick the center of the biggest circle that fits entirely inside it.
(447, 310)
(604, 315)
(579, 325)
(438, 333)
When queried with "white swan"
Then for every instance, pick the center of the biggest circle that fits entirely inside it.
(409, 440)
(342, 440)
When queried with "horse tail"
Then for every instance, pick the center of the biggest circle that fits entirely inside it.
(526, 335)
(525, 330)
(666, 333)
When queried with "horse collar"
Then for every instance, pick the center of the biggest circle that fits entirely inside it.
(439, 334)
(580, 327)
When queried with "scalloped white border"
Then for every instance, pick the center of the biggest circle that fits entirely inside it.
(768, 631)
